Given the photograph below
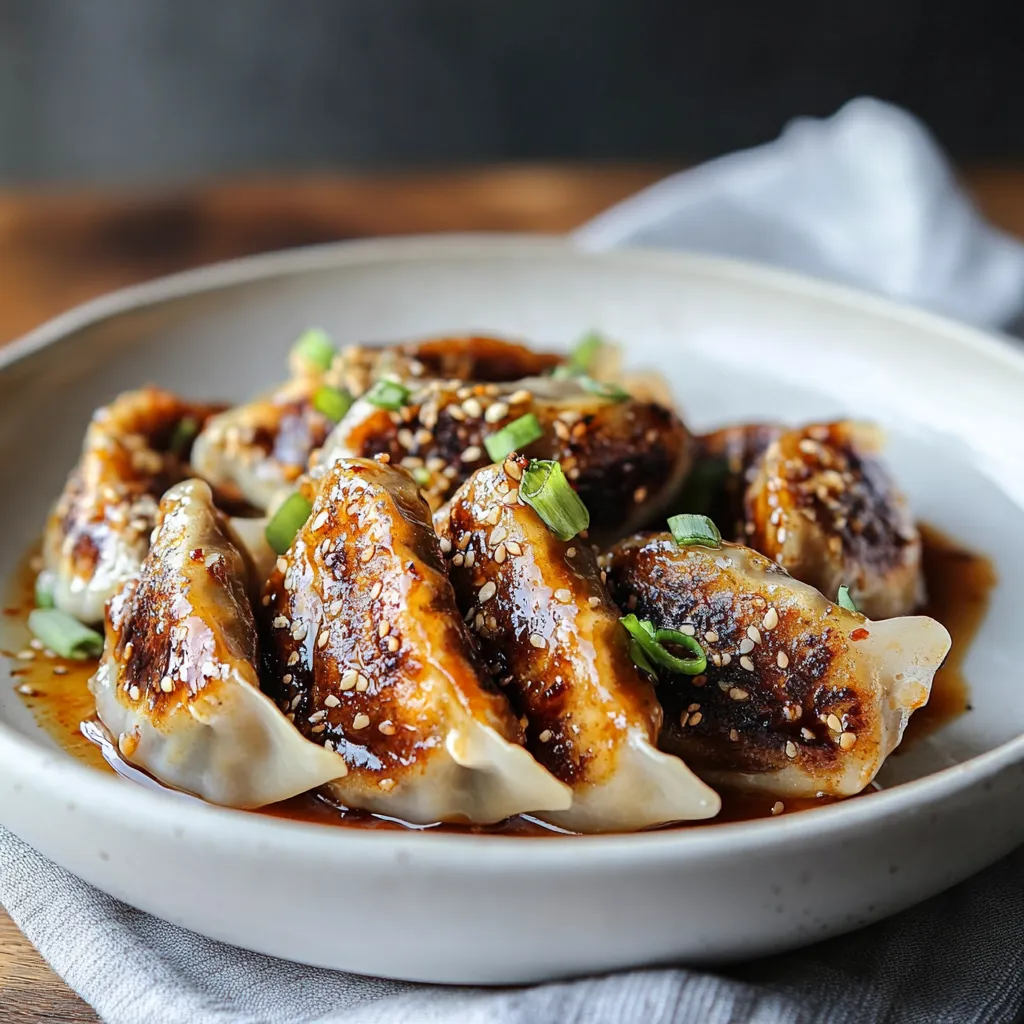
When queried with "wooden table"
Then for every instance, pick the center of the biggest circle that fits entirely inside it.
(60, 249)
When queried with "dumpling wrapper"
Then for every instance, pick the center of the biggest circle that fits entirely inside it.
(177, 684)
(825, 508)
(553, 636)
(365, 646)
(800, 697)
(98, 532)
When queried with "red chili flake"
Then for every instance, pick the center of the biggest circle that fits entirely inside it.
(860, 633)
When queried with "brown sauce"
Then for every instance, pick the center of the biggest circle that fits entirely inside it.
(958, 582)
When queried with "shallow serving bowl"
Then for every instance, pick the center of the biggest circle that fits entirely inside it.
(737, 343)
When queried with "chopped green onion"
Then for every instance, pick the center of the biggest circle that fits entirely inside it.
(65, 635)
(514, 437)
(184, 434)
(44, 589)
(290, 517)
(691, 529)
(388, 394)
(421, 475)
(844, 600)
(651, 643)
(603, 388)
(332, 402)
(636, 652)
(545, 489)
(315, 346)
(581, 358)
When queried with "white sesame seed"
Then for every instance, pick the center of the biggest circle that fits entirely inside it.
(754, 634)
(386, 784)
(331, 701)
(780, 535)
(318, 716)
(26, 655)
(563, 595)
(362, 683)
(832, 721)
(746, 645)
(593, 601)
(446, 545)
(60, 670)
(321, 640)
(35, 644)
(361, 721)
(266, 600)
(536, 640)
(771, 619)
(287, 678)
(167, 684)
(791, 750)
(280, 622)
(393, 644)
(847, 740)
(522, 395)
(495, 412)
(471, 454)
(738, 693)
(696, 718)
(711, 636)
(746, 663)
(134, 693)
(348, 679)
(486, 592)
(570, 553)
(500, 553)
(319, 520)
(684, 719)
(545, 736)
(367, 553)
(513, 547)
(782, 659)
(375, 590)
(806, 733)
(734, 735)
(472, 407)
(384, 628)
(688, 629)
(299, 631)
(458, 559)
(778, 807)
(469, 558)
(387, 728)
(498, 534)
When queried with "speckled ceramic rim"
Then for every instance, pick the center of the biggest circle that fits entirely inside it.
(20, 756)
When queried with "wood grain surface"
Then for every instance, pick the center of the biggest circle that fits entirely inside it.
(58, 249)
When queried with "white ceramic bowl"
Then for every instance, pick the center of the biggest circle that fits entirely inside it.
(737, 342)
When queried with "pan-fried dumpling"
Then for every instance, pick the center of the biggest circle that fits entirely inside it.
(824, 507)
(553, 635)
(624, 457)
(366, 648)
(177, 685)
(800, 696)
(98, 532)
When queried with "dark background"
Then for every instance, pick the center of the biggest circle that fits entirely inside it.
(127, 91)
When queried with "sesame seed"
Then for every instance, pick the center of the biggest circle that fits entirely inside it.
(321, 640)
(387, 728)
(280, 622)
(167, 684)
(393, 644)
(832, 721)
(512, 468)
(299, 631)
(778, 807)
(545, 736)
(498, 534)
(331, 701)
(375, 590)
(791, 750)
(266, 600)
(746, 663)
(320, 520)
(563, 595)
(26, 655)
(367, 553)
(699, 680)
(287, 678)
(688, 629)
(696, 718)
(319, 728)
(495, 412)
(134, 693)
(570, 553)
(335, 608)
(492, 515)
(746, 645)
(693, 707)
(469, 558)
(754, 634)
(386, 784)
(472, 407)
(711, 636)
(60, 670)
(782, 659)
(593, 601)
(726, 659)
(317, 716)
(487, 591)
(348, 679)
(362, 683)
(806, 733)
(738, 693)
(35, 644)
(734, 735)
(499, 553)
(384, 628)
(458, 559)
(446, 545)
(684, 719)
(771, 619)
(847, 740)
(522, 395)
(536, 640)
(471, 454)
(361, 721)
(640, 495)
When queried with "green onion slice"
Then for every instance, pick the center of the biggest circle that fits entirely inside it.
(315, 347)
(388, 394)
(603, 388)
(185, 431)
(652, 643)
(844, 600)
(332, 402)
(636, 652)
(545, 489)
(65, 635)
(44, 589)
(581, 358)
(691, 529)
(421, 475)
(513, 437)
(290, 517)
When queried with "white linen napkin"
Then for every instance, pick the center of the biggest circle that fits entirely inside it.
(863, 197)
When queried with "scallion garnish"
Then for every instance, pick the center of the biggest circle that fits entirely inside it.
(289, 518)
(545, 489)
(844, 600)
(388, 394)
(651, 643)
(421, 475)
(514, 437)
(64, 635)
(332, 402)
(184, 434)
(581, 358)
(603, 388)
(315, 347)
(691, 529)
(44, 589)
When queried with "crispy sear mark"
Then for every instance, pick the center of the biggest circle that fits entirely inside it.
(98, 532)
(554, 641)
(800, 696)
(623, 458)
(365, 647)
(823, 506)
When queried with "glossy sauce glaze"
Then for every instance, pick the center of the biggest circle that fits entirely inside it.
(959, 584)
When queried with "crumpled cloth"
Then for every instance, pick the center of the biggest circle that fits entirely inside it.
(864, 197)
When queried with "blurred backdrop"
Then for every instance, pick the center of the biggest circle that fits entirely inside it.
(161, 91)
